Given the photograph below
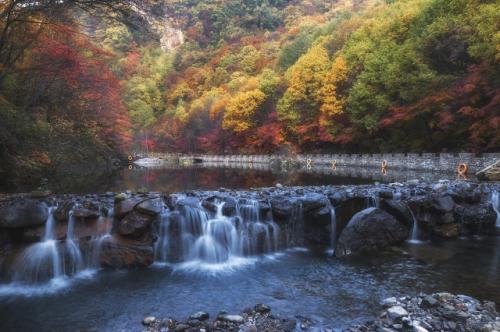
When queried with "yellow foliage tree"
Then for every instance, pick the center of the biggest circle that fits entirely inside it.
(332, 100)
(241, 110)
(305, 80)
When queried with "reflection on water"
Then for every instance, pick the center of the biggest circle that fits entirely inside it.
(174, 177)
(332, 292)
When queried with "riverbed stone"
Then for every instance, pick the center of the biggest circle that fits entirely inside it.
(149, 320)
(23, 212)
(262, 308)
(236, 319)
(396, 313)
(368, 231)
(200, 315)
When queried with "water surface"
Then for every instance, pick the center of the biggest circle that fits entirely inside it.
(329, 291)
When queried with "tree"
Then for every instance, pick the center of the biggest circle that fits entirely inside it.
(241, 110)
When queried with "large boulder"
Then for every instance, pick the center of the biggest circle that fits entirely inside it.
(368, 231)
(399, 210)
(125, 206)
(119, 253)
(135, 224)
(153, 206)
(23, 212)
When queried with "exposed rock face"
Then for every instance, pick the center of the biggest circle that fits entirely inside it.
(23, 212)
(436, 312)
(135, 224)
(370, 230)
(119, 253)
(131, 243)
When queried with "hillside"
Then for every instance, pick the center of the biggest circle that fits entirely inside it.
(92, 79)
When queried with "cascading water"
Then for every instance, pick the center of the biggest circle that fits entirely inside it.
(102, 232)
(414, 237)
(53, 259)
(495, 202)
(40, 261)
(213, 238)
(161, 246)
(333, 230)
(72, 256)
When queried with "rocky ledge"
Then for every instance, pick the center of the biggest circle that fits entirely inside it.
(439, 312)
(358, 219)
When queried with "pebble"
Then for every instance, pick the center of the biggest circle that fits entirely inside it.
(149, 320)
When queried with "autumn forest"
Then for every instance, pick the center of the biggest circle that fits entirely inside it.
(83, 80)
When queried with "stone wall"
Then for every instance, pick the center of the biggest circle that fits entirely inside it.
(447, 162)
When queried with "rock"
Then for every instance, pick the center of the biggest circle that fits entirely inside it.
(262, 308)
(389, 302)
(396, 313)
(282, 207)
(126, 206)
(62, 211)
(118, 253)
(418, 328)
(370, 230)
(387, 194)
(135, 224)
(192, 202)
(152, 206)
(150, 320)
(279, 185)
(235, 319)
(443, 204)
(447, 230)
(182, 327)
(429, 302)
(85, 213)
(314, 201)
(23, 212)
(120, 197)
(200, 315)
(399, 210)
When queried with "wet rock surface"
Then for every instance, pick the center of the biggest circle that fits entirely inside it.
(368, 231)
(290, 216)
(22, 212)
(435, 312)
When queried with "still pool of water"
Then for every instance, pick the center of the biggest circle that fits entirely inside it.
(175, 178)
(329, 291)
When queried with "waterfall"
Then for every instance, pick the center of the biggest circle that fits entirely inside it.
(333, 229)
(213, 238)
(414, 231)
(42, 260)
(161, 245)
(372, 201)
(495, 202)
(103, 231)
(72, 256)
